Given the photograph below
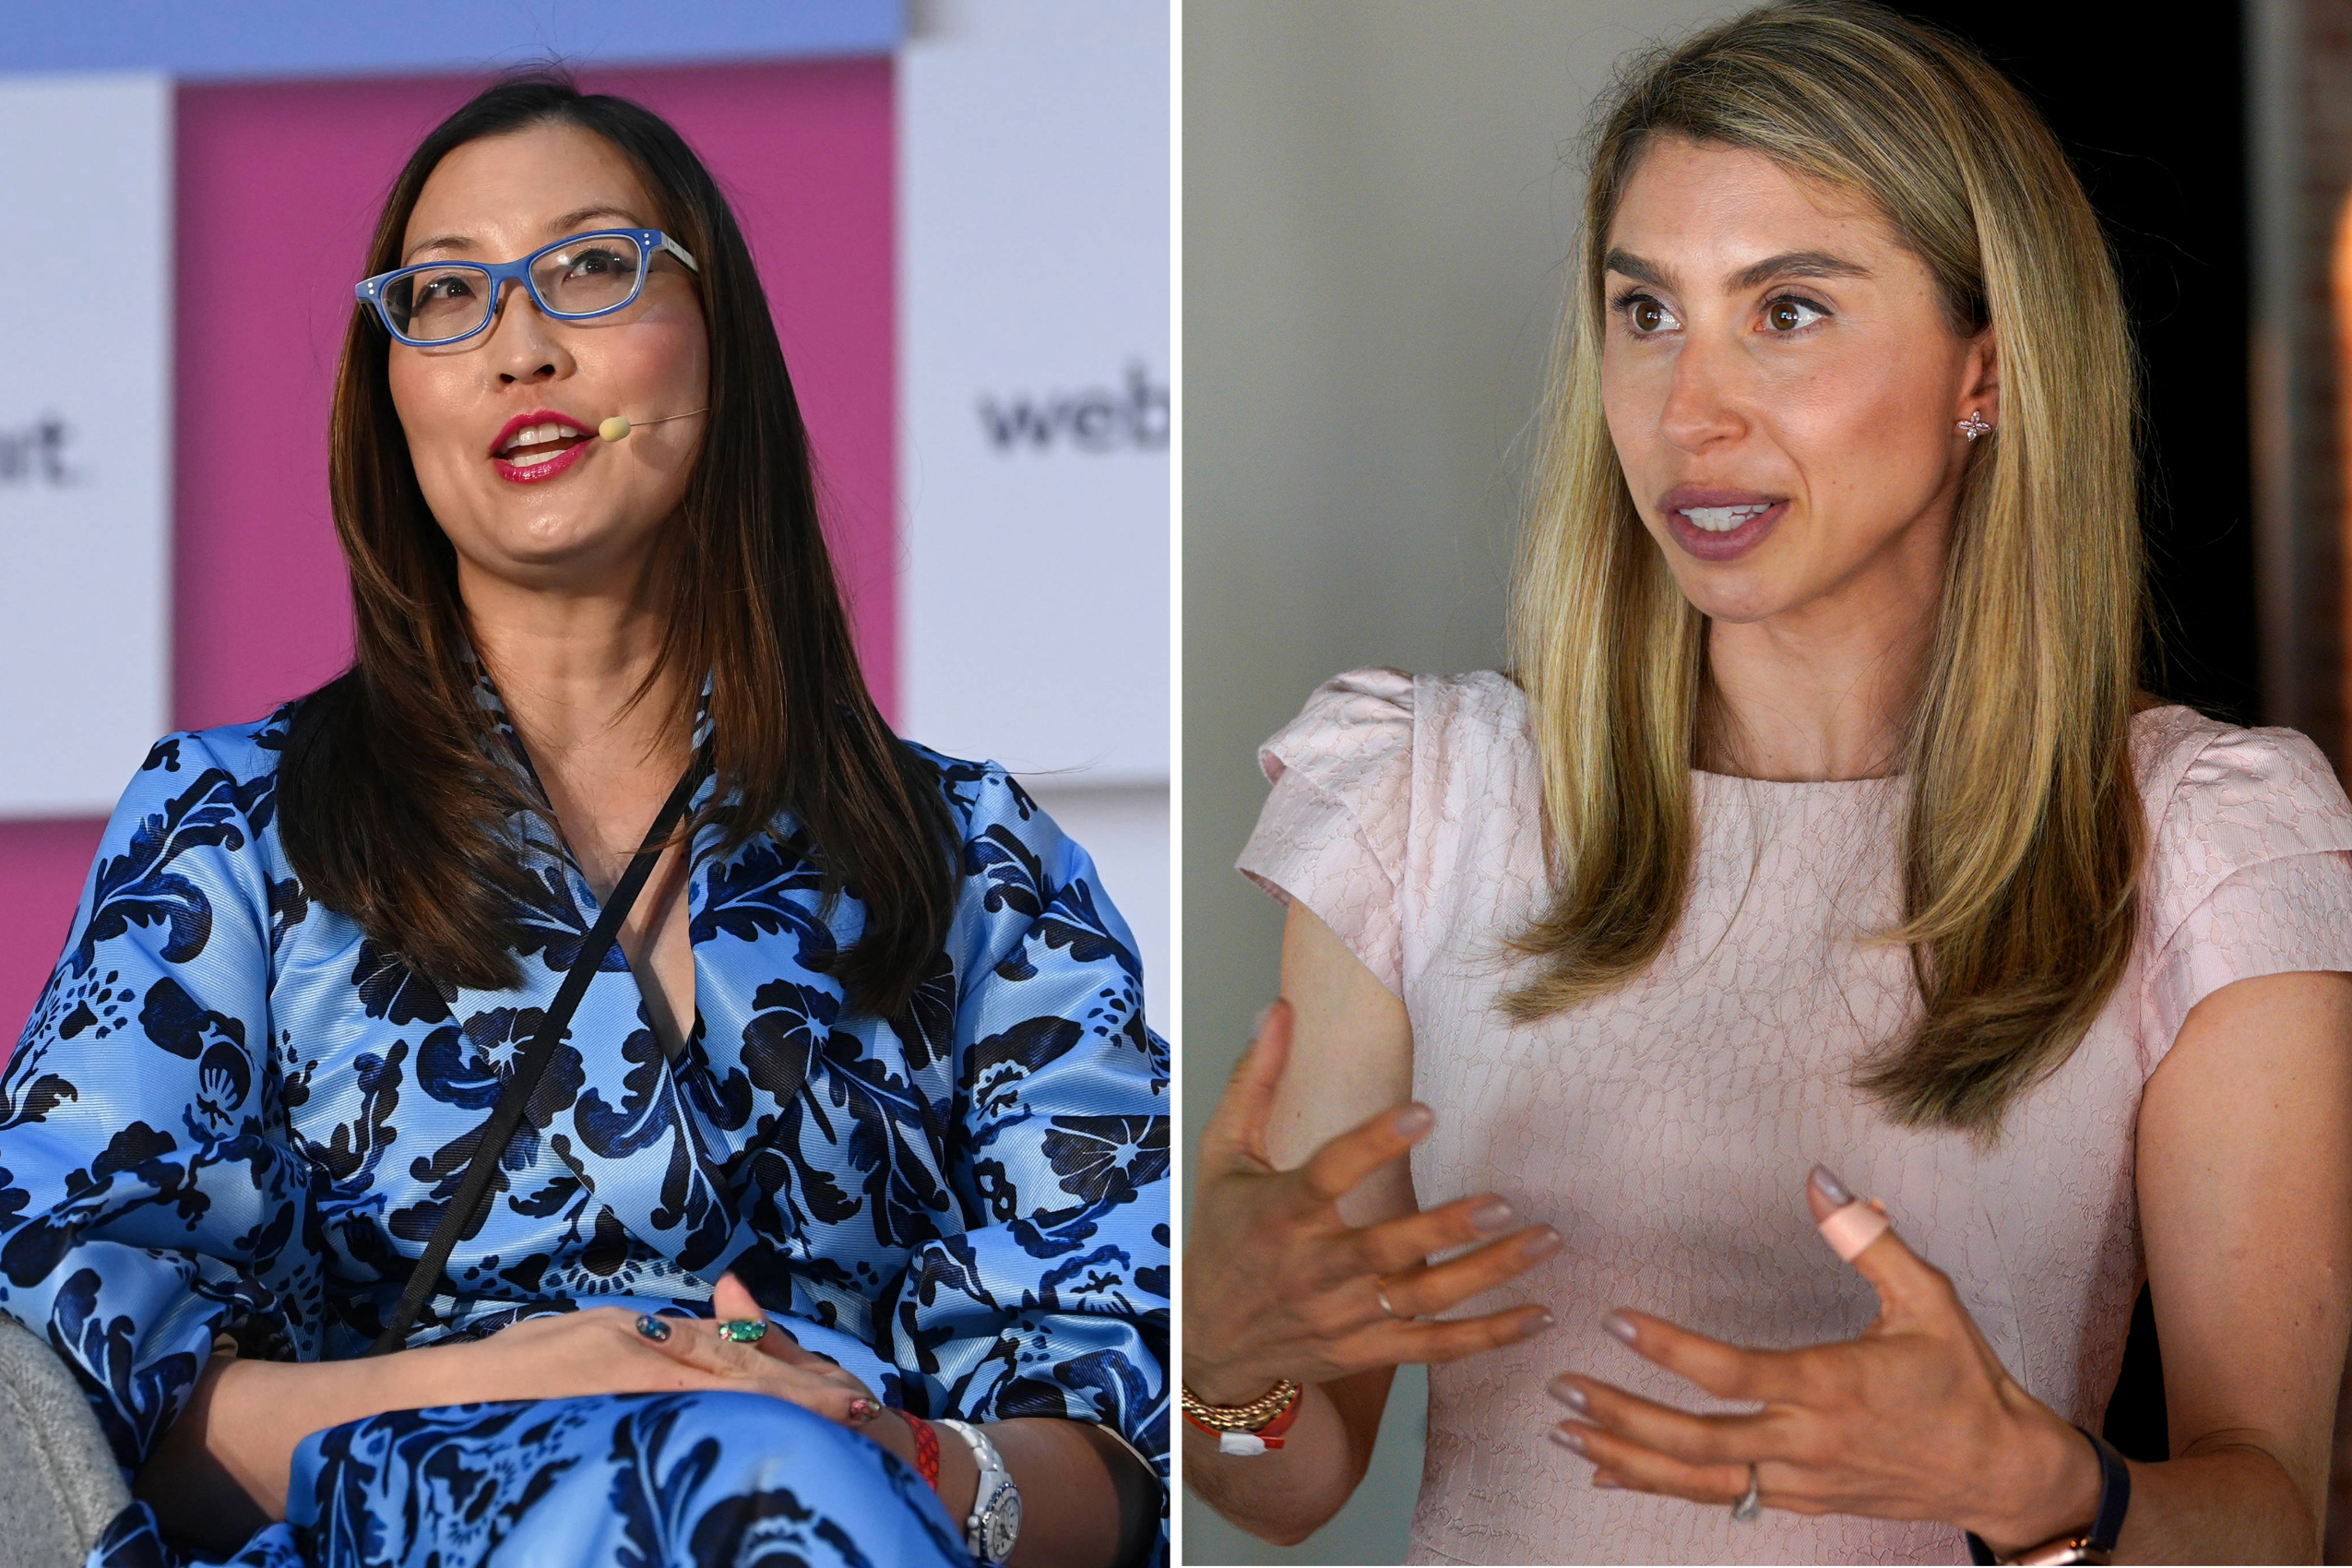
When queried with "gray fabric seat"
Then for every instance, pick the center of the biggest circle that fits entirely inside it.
(59, 1484)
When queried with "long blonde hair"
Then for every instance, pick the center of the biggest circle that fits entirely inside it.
(2023, 835)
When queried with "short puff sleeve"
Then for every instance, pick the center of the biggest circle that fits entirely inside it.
(2249, 871)
(1334, 833)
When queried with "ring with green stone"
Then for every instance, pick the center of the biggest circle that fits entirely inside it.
(743, 1330)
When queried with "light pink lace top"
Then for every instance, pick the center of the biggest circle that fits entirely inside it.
(1667, 1130)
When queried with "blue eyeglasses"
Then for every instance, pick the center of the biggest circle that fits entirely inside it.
(572, 279)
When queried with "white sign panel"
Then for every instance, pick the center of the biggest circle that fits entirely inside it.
(85, 437)
(1034, 384)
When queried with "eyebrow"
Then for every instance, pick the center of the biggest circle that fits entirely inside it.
(567, 224)
(1787, 263)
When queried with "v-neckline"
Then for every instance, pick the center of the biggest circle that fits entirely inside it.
(674, 1043)
(584, 894)
(678, 1030)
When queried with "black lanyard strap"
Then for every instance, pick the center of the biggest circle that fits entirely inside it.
(516, 1097)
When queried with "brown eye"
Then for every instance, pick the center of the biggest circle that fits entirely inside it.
(1788, 314)
(1647, 315)
(1784, 317)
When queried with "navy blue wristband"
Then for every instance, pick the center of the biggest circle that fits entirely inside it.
(2115, 1500)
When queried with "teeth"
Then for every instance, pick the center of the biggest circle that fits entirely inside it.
(531, 434)
(1723, 519)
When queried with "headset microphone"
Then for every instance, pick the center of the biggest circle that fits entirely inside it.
(616, 428)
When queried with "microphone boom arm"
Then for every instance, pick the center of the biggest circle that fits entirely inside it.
(617, 428)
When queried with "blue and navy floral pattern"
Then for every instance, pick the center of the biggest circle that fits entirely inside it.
(231, 1112)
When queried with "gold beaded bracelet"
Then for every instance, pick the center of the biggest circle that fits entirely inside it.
(1259, 1413)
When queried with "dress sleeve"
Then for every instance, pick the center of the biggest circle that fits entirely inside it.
(148, 1200)
(1054, 1300)
(1333, 834)
(2249, 874)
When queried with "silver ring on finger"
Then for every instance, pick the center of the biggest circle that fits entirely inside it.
(1751, 1503)
(1381, 1292)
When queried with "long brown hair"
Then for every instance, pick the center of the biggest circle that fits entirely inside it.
(2022, 837)
(392, 803)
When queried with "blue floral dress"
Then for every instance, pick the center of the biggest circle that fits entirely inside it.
(232, 1113)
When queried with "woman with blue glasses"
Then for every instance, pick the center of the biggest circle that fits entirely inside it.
(576, 1087)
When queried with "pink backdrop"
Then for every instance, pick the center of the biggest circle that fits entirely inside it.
(278, 187)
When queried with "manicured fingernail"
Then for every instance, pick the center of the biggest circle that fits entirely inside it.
(1622, 1326)
(1568, 1439)
(653, 1329)
(1534, 1325)
(864, 1410)
(1607, 1482)
(1413, 1120)
(1541, 1242)
(1491, 1217)
(743, 1330)
(1831, 1187)
(1568, 1393)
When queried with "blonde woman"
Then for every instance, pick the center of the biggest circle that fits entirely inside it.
(1821, 846)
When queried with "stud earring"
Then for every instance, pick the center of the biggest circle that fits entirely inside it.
(1974, 425)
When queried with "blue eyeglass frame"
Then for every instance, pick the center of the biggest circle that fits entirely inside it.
(650, 242)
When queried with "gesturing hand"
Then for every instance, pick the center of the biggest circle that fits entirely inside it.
(1915, 1420)
(1277, 1285)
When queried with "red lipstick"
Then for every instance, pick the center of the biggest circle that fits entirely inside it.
(541, 462)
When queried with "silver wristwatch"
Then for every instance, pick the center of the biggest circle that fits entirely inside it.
(996, 1523)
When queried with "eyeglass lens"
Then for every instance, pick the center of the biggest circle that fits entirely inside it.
(442, 303)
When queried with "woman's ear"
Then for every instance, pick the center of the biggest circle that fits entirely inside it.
(1980, 379)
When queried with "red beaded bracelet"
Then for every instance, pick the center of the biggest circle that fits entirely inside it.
(926, 1447)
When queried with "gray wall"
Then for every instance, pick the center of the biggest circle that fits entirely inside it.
(1380, 199)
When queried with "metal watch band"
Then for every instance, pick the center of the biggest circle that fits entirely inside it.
(995, 1521)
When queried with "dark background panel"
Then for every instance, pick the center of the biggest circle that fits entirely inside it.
(2154, 119)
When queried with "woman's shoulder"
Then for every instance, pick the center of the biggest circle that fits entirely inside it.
(192, 836)
(2247, 871)
(1386, 778)
(1023, 879)
(981, 795)
(1373, 720)
(1009, 841)
(226, 770)
(2197, 772)
(250, 750)
(2222, 799)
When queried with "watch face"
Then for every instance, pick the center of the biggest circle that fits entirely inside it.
(1000, 1522)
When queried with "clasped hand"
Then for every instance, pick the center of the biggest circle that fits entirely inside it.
(1915, 1420)
(600, 1350)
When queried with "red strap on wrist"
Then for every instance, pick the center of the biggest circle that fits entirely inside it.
(1270, 1434)
(926, 1446)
